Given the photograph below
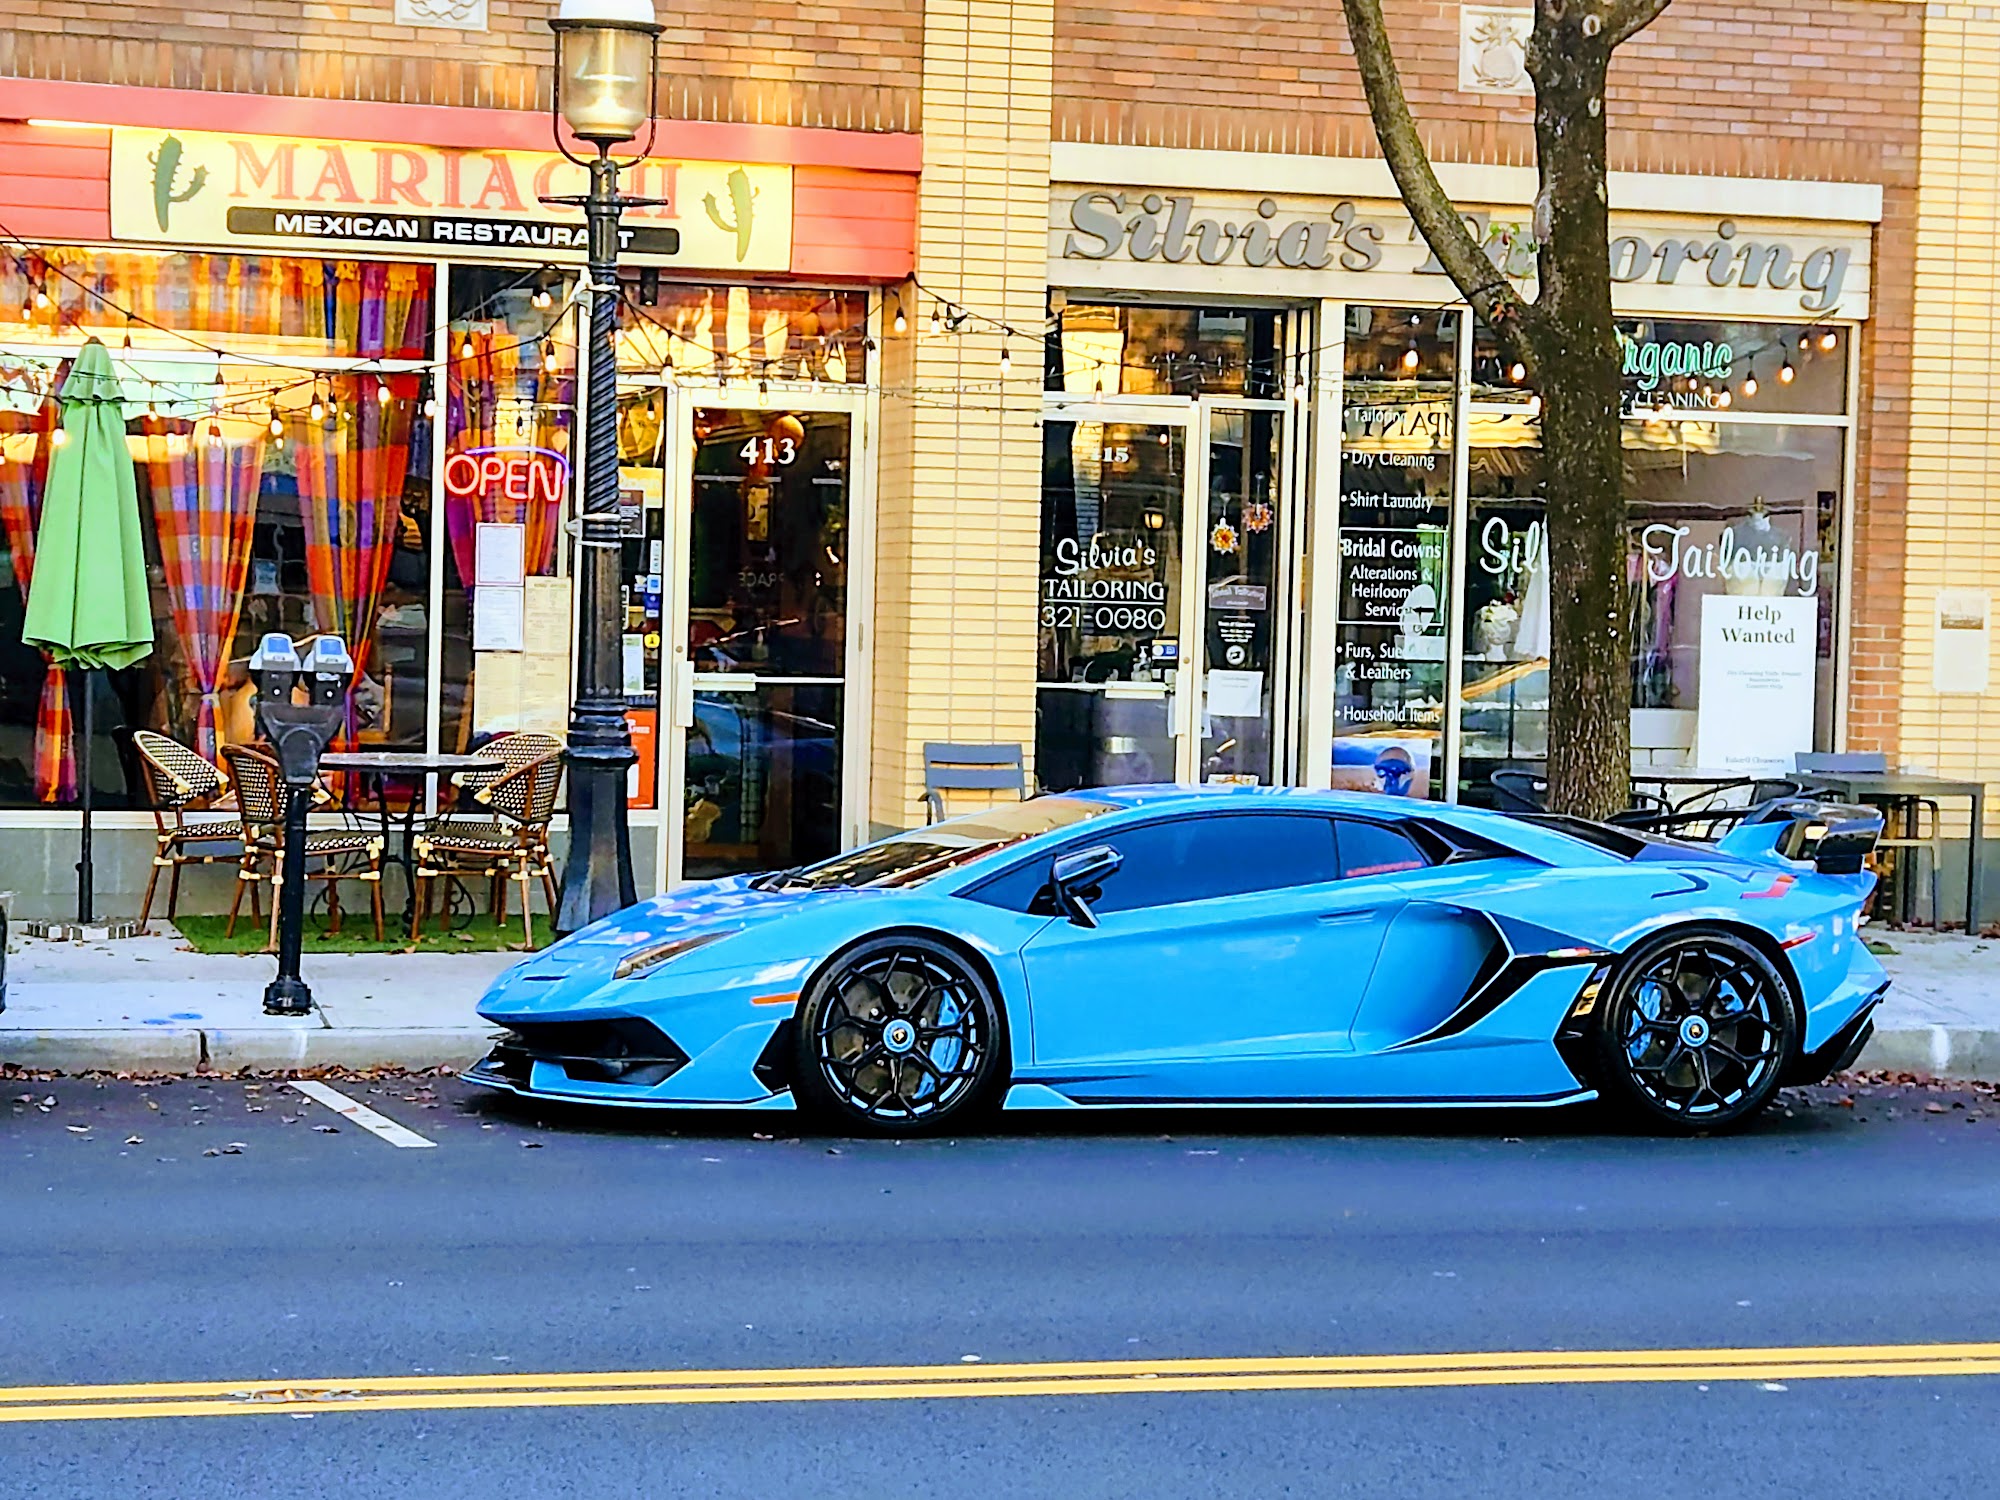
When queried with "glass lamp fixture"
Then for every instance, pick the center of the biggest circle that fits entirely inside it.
(606, 52)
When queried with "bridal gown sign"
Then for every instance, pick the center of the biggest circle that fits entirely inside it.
(1755, 712)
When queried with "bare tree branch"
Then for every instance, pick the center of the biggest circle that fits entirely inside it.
(1630, 17)
(1478, 280)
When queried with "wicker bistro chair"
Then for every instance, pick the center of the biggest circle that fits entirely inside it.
(510, 844)
(341, 853)
(182, 781)
(514, 749)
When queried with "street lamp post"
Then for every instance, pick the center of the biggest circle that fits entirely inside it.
(606, 63)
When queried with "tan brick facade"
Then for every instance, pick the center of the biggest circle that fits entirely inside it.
(1953, 518)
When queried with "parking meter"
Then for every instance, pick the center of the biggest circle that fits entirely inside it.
(299, 732)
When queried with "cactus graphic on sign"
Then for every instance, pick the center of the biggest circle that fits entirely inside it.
(166, 174)
(742, 202)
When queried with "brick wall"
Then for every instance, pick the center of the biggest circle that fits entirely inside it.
(847, 66)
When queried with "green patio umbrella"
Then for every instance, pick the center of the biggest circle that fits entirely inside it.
(88, 605)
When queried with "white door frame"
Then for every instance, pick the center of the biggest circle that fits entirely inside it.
(677, 677)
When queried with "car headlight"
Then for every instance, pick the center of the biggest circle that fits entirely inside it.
(639, 960)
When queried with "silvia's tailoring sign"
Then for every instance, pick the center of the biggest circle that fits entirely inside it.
(281, 193)
(1153, 239)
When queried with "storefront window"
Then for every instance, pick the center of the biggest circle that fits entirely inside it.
(278, 304)
(1110, 350)
(743, 332)
(298, 508)
(1398, 422)
(510, 390)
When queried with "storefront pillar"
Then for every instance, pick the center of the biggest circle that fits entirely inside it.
(961, 451)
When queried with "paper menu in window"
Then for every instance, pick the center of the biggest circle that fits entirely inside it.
(500, 553)
(1234, 695)
(546, 629)
(497, 618)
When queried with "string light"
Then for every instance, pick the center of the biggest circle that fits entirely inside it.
(60, 436)
(1517, 372)
(465, 348)
(128, 333)
(902, 324)
(1006, 358)
(317, 411)
(41, 298)
(1786, 374)
(1722, 397)
(1749, 387)
(1411, 359)
(277, 423)
(430, 406)
(937, 319)
(381, 391)
(1828, 339)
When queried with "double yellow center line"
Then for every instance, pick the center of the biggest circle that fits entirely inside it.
(212, 1398)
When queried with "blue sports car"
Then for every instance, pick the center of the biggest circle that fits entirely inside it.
(1222, 945)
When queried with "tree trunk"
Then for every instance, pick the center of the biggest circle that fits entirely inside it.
(1576, 347)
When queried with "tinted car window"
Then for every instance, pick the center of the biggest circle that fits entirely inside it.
(1371, 849)
(1201, 857)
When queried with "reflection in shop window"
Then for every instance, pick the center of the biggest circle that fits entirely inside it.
(1399, 402)
(1112, 350)
(725, 333)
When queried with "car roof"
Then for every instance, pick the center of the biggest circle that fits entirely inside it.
(1168, 796)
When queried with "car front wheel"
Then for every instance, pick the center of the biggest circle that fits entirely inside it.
(899, 1036)
(1695, 1030)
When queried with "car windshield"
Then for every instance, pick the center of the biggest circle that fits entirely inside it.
(923, 853)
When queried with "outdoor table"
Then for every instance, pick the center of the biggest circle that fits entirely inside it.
(379, 766)
(1903, 788)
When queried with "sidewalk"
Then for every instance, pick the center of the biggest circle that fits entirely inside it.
(148, 1005)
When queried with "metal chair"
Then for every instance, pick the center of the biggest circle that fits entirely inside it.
(181, 781)
(511, 844)
(1520, 790)
(260, 803)
(970, 768)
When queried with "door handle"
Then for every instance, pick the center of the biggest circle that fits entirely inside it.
(1356, 914)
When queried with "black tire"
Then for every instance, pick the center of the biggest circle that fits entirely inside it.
(899, 1035)
(1695, 1028)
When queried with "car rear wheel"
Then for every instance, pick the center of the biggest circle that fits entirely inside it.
(1695, 1029)
(899, 1036)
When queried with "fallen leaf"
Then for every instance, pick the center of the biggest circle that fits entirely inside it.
(1929, 1109)
(531, 1145)
(135, 1140)
(77, 1129)
(327, 1129)
(234, 1148)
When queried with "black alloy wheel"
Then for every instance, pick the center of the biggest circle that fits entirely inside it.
(1695, 1029)
(899, 1036)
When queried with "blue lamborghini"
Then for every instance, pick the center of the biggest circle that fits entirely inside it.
(1222, 945)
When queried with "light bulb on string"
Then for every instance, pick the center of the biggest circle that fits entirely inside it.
(430, 407)
(128, 333)
(520, 421)
(1006, 359)
(1749, 387)
(1517, 372)
(465, 348)
(902, 324)
(1786, 374)
(41, 299)
(381, 391)
(937, 319)
(1828, 340)
(1411, 358)
(763, 392)
(59, 437)
(214, 430)
(1097, 396)
(277, 423)
(317, 411)
(549, 351)
(1805, 339)
(1722, 397)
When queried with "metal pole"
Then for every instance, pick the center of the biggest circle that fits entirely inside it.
(85, 878)
(288, 994)
(597, 873)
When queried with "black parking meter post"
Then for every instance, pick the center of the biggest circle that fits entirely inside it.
(299, 732)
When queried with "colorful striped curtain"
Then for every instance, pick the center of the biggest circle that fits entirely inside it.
(205, 508)
(351, 475)
(23, 478)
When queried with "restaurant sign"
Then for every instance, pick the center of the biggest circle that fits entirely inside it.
(291, 193)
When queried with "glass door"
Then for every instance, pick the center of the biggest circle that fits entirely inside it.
(1112, 612)
(1245, 545)
(753, 759)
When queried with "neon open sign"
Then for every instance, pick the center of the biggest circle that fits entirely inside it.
(517, 473)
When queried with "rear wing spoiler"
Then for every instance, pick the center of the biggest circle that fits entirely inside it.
(1834, 837)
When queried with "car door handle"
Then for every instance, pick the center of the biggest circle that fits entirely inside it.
(1355, 914)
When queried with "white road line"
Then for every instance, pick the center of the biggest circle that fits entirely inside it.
(360, 1114)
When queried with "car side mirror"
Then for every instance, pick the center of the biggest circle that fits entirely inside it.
(1075, 879)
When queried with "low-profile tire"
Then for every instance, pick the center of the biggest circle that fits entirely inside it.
(1695, 1028)
(900, 1035)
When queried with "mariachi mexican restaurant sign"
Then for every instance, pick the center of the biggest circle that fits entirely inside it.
(287, 193)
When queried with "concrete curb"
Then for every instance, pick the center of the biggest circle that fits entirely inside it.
(1962, 1052)
(264, 1049)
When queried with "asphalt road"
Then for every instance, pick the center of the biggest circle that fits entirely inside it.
(307, 1259)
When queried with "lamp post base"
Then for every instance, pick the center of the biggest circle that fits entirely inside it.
(597, 869)
(288, 995)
